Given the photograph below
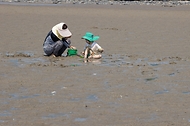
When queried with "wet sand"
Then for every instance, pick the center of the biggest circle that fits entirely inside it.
(141, 80)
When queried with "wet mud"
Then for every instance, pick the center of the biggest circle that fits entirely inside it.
(147, 71)
(141, 80)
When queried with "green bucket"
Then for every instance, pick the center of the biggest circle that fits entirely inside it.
(71, 52)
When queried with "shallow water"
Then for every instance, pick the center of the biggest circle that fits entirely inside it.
(147, 72)
(27, 58)
(55, 115)
(80, 119)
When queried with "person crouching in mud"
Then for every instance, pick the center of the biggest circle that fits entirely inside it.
(57, 40)
(92, 50)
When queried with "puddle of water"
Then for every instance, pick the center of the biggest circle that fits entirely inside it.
(162, 92)
(15, 62)
(154, 64)
(17, 96)
(139, 60)
(33, 60)
(157, 63)
(80, 119)
(5, 113)
(55, 115)
(25, 61)
(92, 97)
(75, 99)
(186, 92)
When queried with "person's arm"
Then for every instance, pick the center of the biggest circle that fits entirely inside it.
(72, 47)
(86, 45)
(86, 51)
(100, 49)
(67, 43)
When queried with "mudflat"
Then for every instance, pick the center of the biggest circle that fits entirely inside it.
(141, 80)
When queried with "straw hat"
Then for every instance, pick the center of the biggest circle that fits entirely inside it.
(62, 30)
(90, 37)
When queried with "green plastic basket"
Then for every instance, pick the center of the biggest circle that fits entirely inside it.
(71, 52)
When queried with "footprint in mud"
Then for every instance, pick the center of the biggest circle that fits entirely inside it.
(94, 27)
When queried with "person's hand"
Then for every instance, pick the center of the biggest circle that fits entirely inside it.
(101, 50)
(72, 47)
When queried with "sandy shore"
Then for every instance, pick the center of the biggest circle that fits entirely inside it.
(141, 80)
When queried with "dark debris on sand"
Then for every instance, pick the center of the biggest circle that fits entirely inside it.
(104, 2)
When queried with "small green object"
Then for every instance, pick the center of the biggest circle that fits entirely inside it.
(71, 52)
(149, 79)
(80, 56)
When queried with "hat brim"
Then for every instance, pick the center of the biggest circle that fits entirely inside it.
(65, 32)
(91, 39)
